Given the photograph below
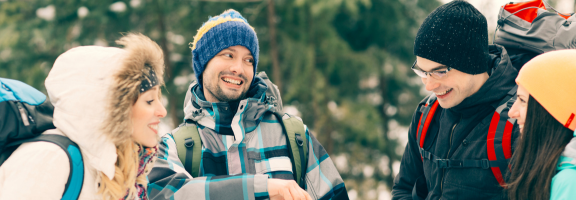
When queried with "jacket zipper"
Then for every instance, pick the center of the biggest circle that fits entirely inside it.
(23, 114)
(448, 154)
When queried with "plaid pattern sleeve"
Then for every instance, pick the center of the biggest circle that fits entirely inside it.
(322, 178)
(169, 180)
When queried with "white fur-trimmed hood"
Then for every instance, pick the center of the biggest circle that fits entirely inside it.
(93, 88)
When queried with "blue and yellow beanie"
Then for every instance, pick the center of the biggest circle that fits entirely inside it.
(218, 33)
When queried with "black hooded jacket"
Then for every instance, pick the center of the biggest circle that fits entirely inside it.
(459, 133)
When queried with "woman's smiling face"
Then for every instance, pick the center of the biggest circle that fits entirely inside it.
(518, 110)
(146, 114)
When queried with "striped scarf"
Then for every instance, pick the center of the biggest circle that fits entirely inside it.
(146, 156)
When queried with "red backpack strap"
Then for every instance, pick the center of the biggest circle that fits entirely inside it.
(499, 139)
(428, 112)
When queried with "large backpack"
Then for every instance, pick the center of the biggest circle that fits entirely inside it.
(527, 29)
(189, 142)
(499, 139)
(24, 114)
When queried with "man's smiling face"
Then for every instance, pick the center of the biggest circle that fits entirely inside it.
(228, 75)
(452, 89)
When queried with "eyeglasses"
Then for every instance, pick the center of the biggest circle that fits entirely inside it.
(437, 74)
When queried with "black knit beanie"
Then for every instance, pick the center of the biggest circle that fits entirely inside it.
(455, 35)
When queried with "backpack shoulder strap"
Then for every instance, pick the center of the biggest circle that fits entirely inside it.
(428, 111)
(499, 140)
(297, 137)
(272, 93)
(189, 146)
(498, 145)
(76, 177)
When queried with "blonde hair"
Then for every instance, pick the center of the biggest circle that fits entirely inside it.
(124, 181)
(140, 51)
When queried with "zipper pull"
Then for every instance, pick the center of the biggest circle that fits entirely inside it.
(23, 114)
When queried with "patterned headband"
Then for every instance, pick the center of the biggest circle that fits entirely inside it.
(150, 80)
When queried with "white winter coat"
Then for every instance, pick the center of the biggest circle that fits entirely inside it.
(80, 86)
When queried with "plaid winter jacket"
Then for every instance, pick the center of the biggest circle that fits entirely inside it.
(242, 146)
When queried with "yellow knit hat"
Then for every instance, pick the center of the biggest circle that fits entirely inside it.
(550, 78)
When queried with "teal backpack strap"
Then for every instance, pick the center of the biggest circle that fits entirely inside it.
(76, 177)
(298, 146)
(189, 146)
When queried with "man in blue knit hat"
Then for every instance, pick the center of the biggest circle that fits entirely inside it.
(233, 143)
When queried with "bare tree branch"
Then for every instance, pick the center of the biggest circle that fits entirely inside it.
(276, 72)
(169, 72)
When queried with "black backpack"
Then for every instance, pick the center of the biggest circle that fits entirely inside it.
(25, 113)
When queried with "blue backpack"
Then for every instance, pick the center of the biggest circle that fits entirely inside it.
(24, 114)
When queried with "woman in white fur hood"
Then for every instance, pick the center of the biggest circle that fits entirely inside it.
(106, 100)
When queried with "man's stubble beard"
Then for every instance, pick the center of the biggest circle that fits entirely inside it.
(219, 94)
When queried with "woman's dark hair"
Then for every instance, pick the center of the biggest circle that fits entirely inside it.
(535, 158)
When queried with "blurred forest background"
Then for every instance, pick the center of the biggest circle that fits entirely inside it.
(342, 65)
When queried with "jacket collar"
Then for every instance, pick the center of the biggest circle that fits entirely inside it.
(228, 118)
(568, 158)
(498, 85)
